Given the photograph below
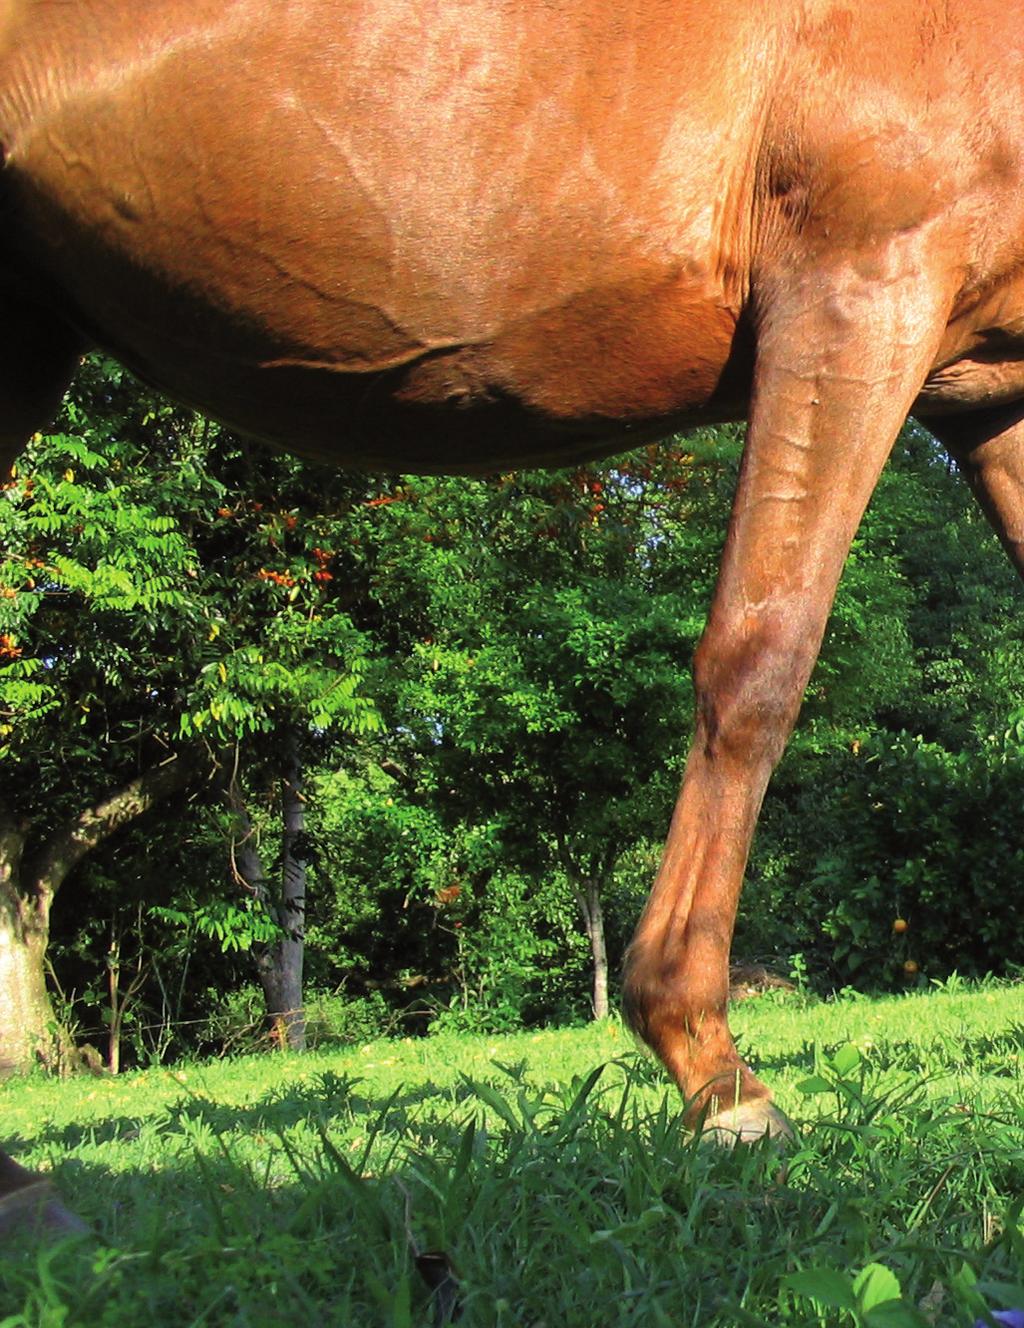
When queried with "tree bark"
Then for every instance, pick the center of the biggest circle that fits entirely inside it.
(593, 922)
(28, 887)
(291, 947)
(588, 900)
(121, 998)
(279, 965)
(587, 887)
(27, 1022)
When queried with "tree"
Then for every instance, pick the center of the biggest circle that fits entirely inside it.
(153, 615)
(279, 960)
(76, 558)
(546, 687)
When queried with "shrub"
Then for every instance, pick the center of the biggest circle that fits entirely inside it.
(893, 828)
(332, 1017)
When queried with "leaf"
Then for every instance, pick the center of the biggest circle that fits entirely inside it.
(814, 1084)
(650, 1217)
(493, 1099)
(846, 1060)
(828, 1286)
(876, 1284)
(365, 1198)
(895, 1314)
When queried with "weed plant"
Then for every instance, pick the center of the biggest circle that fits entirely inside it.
(541, 1181)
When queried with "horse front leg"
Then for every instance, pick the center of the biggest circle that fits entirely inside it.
(839, 361)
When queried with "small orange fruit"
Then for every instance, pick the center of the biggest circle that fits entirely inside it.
(910, 967)
(899, 926)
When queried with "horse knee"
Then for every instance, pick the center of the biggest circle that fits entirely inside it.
(662, 1000)
(748, 684)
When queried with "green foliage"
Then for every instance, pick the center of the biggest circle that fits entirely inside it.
(543, 695)
(431, 914)
(898, 829)
(336, 1019)
(158, 594)
(871, 1299)
(235, 1020)
(511, 966)
(234, 926)
(137, 605)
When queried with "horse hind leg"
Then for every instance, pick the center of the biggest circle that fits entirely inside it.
(988, 447)
(38, 357)
(839, 362)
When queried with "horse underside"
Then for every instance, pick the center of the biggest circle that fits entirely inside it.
(599, 372)
(445, 411)
(451, 260)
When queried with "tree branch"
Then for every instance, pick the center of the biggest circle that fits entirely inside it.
(74, 840)
(245, 859)
(402, 777)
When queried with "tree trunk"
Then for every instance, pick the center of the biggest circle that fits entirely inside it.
(28, 1025)
(588, 896)
(291, 947)
(28, 886)
(116, 1007)
(586, 886)
(279, 965)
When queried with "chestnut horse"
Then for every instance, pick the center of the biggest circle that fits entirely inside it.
(467, 235)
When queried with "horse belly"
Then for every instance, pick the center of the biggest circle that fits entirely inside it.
(318, 343)
(414, 233)
(611, 369)
(981, 362)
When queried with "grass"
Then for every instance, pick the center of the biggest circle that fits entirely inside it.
(549, 1175)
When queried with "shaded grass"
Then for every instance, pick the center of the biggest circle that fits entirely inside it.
(553, 1172)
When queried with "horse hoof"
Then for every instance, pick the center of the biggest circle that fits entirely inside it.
(746, 1124)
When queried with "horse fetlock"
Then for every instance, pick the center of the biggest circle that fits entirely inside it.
(731, 1086)
(690, 1036)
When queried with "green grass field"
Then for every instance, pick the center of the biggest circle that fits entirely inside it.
(551, 1172)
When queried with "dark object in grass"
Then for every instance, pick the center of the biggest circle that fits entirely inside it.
(28, 1202)
(1008, 1318)
(438, 1272)
(748, 980)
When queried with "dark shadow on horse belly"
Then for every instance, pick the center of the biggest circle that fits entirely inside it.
(445, 413)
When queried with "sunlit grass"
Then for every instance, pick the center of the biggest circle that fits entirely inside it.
(280, 1189)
